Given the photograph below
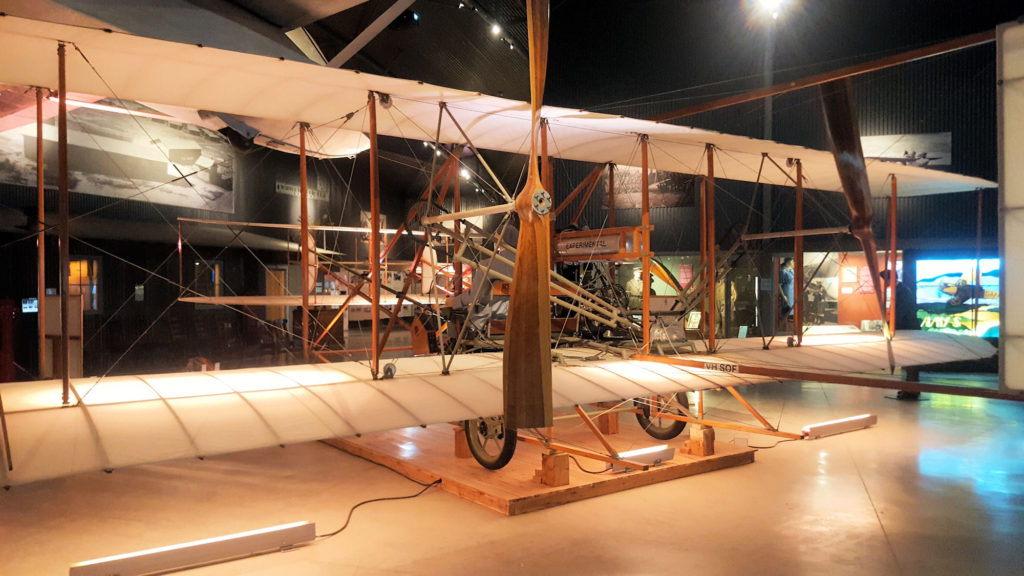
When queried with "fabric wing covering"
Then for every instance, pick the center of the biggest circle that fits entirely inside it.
(333, 101)
(127, 420)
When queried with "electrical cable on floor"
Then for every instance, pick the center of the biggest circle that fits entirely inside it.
(381, 499)
(773, 445)
(580, 466)
(426, 486)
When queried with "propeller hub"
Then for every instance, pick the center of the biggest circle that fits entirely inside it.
(541, 201)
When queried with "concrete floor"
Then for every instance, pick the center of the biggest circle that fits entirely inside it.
(937, 487)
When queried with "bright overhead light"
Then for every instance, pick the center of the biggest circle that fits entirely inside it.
(464, 173)
(495, 29)
(771, 7)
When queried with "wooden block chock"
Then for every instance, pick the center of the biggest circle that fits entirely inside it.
(554, 469)
(608, 423)
(461, 444)
(702, 440)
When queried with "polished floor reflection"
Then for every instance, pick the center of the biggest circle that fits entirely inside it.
(937, 487)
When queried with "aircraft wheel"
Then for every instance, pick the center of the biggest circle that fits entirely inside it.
(661, 428)
(490, 443)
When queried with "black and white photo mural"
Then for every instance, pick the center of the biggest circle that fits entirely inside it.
(121, 150)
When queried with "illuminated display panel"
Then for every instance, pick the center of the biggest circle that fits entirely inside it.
(959, 296)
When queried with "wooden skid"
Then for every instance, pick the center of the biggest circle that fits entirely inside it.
(427, 454)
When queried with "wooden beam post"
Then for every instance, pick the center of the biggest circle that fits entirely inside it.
(304, 246)
(63, 201)
(611, 195)
(891, 316)
(798, 259)
(711, 261)
(374, 237)
(645, 258)
(41, 237)
(456, 245)
(703, 270)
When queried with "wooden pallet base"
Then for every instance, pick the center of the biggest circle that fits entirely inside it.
(427, 454)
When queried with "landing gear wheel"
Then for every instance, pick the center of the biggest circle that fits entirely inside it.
(490, 443)
(661, 428)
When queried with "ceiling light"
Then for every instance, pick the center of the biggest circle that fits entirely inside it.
(495, 29)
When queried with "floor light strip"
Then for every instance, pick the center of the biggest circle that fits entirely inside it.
(839, 426)
(199, 552)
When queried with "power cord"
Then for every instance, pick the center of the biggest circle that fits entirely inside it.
(773, 445)
(580, 466)
(382, 499)
(348, 519)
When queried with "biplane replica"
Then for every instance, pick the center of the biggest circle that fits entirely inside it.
(117, 421)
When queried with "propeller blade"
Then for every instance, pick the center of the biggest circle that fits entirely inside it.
(844, 135)
(527, 353)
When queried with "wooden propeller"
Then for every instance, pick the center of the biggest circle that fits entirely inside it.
(844, 135)
(527, 354)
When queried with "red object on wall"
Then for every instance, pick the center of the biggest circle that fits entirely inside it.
(6, 340)
(857, 299)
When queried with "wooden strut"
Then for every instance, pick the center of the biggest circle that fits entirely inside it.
(891, 312)
(65, 233)
(611, 195)
(41, 237)
(798, 259)
(587, 183)
(711, 264)
(304, 247)
(374, 236)
(726, 425)
(597, 433)
(479, 157)
(645, 259)
(796, 233)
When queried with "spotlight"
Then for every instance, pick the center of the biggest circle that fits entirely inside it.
(495, 29)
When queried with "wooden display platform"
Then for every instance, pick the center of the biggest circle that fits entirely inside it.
(427, 454)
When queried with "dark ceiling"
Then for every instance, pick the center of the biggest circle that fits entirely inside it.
(661, 53)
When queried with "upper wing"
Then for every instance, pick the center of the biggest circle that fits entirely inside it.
(257, 87)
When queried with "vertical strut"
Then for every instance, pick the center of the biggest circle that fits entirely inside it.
(374, 238)
(711, 261)
(645, 256)
(65, 235)
(798, 258)
(891, 317)
(304, 246)
(41, 238)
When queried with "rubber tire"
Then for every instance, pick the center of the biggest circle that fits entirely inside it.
(480, 454)
(655, 430)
